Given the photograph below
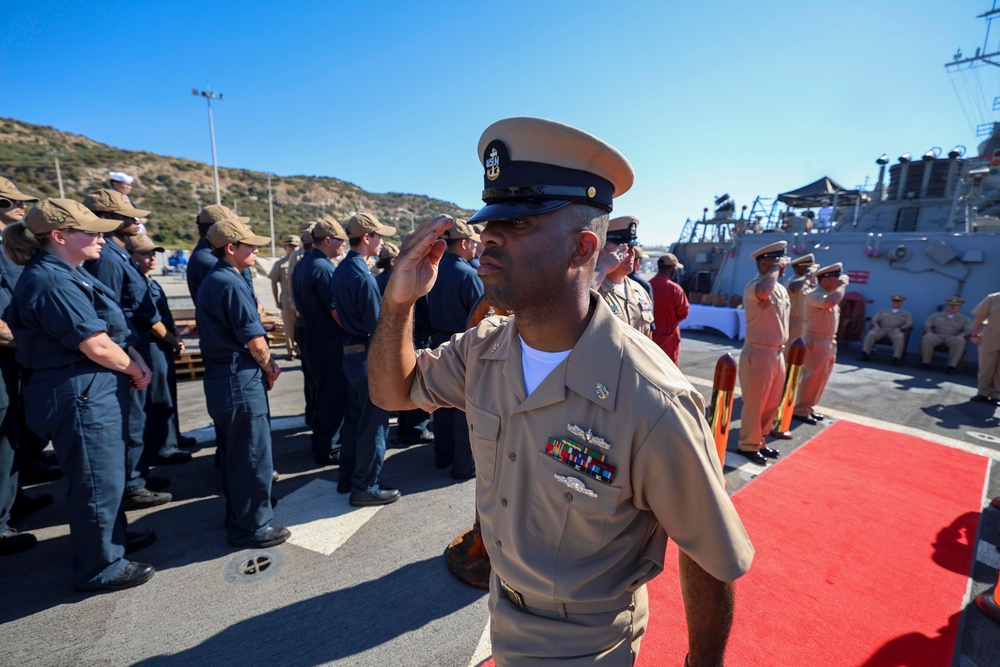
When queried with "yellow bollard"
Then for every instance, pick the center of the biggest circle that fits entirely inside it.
(720, 414)
(796, 355)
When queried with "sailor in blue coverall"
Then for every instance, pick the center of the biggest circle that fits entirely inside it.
(115, 269)
(357, 302)
(71, 342)
(239, 371)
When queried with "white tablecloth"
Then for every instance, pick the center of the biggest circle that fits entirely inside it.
(730, 321)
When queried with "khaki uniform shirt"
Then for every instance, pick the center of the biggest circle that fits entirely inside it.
(551, 541)
(888, 320)
(634, 309)
(280, 274)
(821, 321)
(942, 325)
(989, 310)
(797, 310)
(293, 259)
(767, 320)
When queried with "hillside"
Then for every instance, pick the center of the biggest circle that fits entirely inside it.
(175, 189)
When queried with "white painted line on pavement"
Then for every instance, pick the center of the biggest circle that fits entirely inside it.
(320, 519)
(987, 554)
(484, 649)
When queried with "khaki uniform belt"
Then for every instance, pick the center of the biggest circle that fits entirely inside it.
(597, 606)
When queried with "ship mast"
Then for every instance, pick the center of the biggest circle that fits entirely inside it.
(983, 57)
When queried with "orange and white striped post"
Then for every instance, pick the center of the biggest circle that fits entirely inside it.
(720, 414)
(793, 376)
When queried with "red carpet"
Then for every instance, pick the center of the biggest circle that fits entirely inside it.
(864, 541)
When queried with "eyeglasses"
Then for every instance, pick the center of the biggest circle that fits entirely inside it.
(10, 203)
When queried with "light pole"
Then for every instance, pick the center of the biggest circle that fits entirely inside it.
(55, 153)
(236, 203)
(270, 212)
(209, 96)
(410, 215)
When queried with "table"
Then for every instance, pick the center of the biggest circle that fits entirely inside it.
(730, 321)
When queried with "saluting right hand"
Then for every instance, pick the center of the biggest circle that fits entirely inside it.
(415, 270)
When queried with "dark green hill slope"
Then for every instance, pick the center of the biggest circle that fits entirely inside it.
(175, 189)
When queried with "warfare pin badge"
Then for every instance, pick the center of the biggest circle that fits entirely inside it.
(588, 436)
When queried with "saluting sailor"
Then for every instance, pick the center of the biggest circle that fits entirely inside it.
(590, 449)
(799, 286)
(627, 299)
(822, 309)
(762, 361)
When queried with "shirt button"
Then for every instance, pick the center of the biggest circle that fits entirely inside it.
(499, 546)
(568, 496)
(503, 502)
(512, 456)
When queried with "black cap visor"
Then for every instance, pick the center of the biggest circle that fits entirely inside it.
(515, 209)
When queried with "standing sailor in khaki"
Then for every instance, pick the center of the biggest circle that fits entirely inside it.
(800, 285)
(571, 545)
(986, 334)
(948, 328)
(627, 299)
(822, 318)
(893, 322)
(762, 361)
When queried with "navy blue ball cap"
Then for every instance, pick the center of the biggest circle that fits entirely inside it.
(534, 166)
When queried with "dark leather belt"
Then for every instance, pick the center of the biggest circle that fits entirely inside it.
(522, 603)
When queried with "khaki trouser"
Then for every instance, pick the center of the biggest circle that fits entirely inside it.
(762, 379)
(288, 318)
(989, 365)
(898, 341)
(821, 355)
(531, 636)
(956, 347)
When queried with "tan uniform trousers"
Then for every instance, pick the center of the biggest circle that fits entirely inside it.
(956, 347)
(821, 355)
(535, 636)
(898, 341)
(288, 317)
(762, 380)
(989, 364)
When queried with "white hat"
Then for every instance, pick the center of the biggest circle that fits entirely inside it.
(121, 177)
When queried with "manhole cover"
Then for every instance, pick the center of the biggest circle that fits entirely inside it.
(253, 566)
(985, 437)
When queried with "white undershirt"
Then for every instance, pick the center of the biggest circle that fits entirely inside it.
(620, 288)
(537, 364)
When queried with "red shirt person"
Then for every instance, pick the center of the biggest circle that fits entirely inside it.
(670, 306)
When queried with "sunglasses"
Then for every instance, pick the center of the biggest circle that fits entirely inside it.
(10, 203)
(93, 235)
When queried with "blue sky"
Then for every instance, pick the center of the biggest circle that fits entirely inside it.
(704, 98)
